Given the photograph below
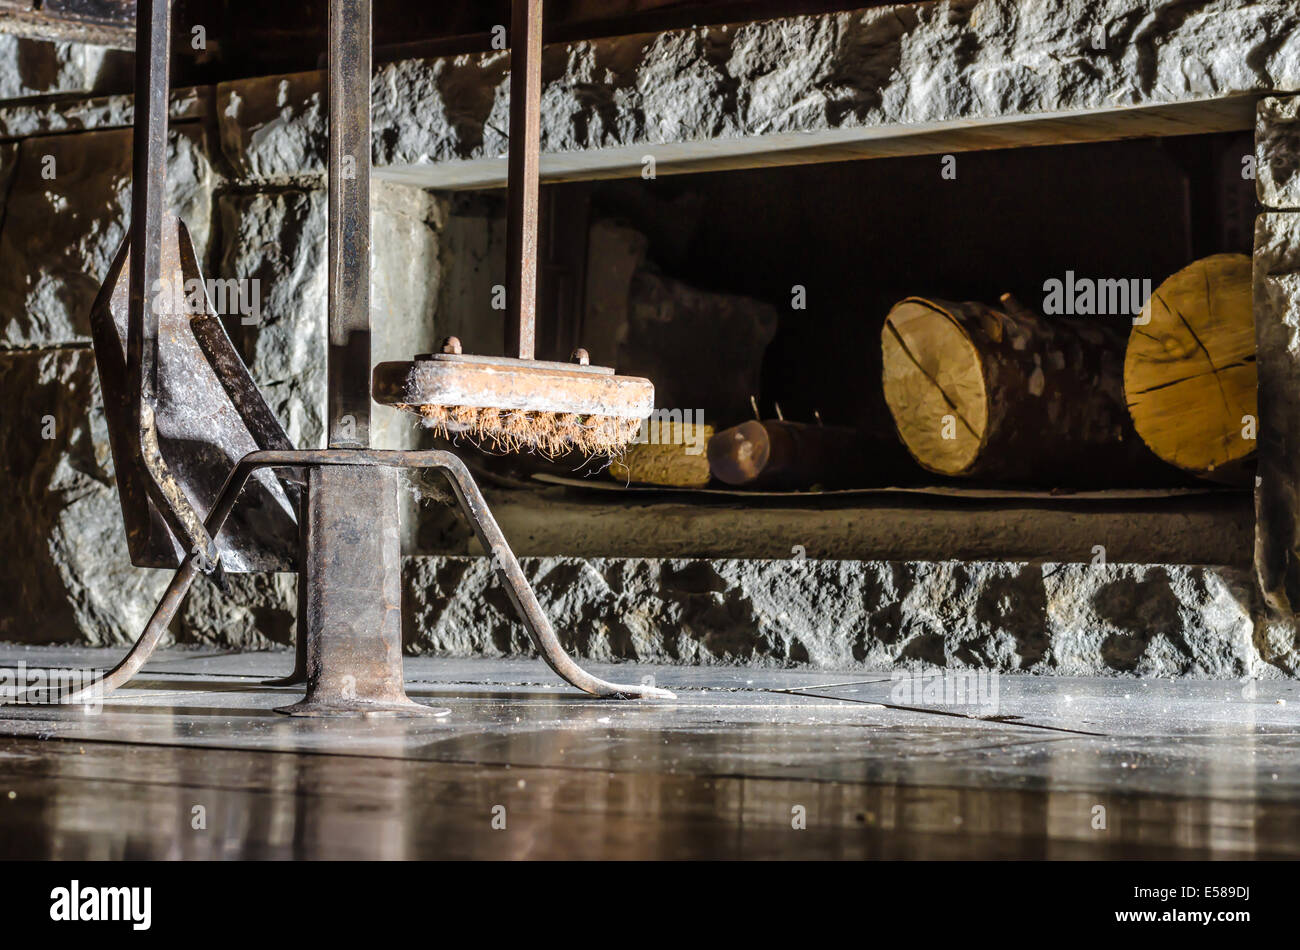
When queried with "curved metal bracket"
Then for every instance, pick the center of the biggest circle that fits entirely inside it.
(476, 510)
(521, 592)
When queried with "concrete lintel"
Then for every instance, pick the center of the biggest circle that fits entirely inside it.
(834, 145)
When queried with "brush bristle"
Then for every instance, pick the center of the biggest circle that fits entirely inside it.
(551, 434)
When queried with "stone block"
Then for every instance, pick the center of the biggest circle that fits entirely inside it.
(1070, 619)
(1073, 70)
(66, 576)
(1277, 152)
(279, 239)
(1277, 337)
(67, 215)
(30, 67)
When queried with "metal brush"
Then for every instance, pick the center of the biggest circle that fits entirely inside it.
(521, 403)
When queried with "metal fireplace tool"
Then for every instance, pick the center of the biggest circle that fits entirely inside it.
(208, 477)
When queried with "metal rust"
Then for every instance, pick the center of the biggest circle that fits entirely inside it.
(182, 406)
(148, 200)
(353, 560)
(525, 167)
(220, 353)
(166, 492)
(160, 392)
(148, 195)
(349, 224)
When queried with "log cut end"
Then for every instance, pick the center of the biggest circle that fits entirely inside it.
(934, 386)
(1189, 373)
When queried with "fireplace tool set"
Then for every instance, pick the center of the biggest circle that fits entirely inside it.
(207, 476)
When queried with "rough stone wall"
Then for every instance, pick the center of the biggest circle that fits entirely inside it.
(1277, 331)
(64, 572)
(62, 206)
(66, 217)
(1277, 145)
(784, 83)
(1068, 619)
(1064, 619)
(252, 194)
(37, 68)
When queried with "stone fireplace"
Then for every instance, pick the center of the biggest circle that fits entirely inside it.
(734, 197)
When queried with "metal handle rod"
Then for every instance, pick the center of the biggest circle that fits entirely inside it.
(525, 149)
(148, 218)
(349, 224)
(476, 510)
(148, 195)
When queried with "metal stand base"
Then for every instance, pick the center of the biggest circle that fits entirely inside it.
(351, 573)
(352, 585)
(343, 710)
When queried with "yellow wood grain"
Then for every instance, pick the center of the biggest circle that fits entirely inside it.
(1189, 374)
(934, 386)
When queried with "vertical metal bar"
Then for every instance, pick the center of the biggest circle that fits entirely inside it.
(349, 224)
(525, 147)
(148, 196)
(353, 570)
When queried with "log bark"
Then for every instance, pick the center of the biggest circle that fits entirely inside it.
(1189, 373)
(1009, 396)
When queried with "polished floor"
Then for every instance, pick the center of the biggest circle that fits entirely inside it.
(191, 761)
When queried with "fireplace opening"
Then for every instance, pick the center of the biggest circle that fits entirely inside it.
(776, 308)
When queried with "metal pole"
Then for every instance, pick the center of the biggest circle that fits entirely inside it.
(353, 595)
(349, 224)
(350, 572)
(148, 195)
(148, 211)
(525, 148)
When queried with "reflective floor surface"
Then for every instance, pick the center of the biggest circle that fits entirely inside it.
(190, 761)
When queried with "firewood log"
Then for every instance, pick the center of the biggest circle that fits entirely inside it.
(1009, 396)
(1189, 373)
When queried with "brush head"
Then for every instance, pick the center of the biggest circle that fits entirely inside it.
(550, 434)
(519, 405)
